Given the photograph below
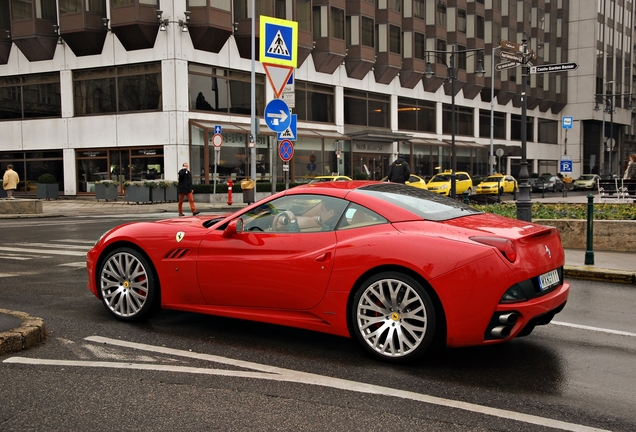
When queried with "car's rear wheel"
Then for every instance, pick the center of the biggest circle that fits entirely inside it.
(393, 317)
(128, 285)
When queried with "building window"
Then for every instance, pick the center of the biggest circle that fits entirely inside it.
(30, 96)
(499, 122)
(337, 23)
(367, 31)
(395, 39)
(463, 123)
(223, 90)
(515, 128)
(419, 41)
(303, 15)
(548, 131)
(367, 109)
(440, 16)
(480, 27)
(415, 114)
(314, 102)
(117, 89)
(419, 9)
(461, 21)
(31, 165)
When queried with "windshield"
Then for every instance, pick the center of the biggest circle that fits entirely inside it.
(427, 205)
(441, 178)
(587, 177)
(493, 179)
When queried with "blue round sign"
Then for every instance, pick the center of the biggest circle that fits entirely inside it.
(277, 115)
(286, 150)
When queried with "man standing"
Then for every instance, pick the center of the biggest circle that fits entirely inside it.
(10, 181)
(185, 190)
(399, 171)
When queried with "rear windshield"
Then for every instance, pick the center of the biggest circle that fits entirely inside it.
(427, 205)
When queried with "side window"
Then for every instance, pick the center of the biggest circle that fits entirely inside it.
(296, 213)
(357, 216)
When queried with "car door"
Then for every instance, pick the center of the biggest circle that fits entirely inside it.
(260, 268)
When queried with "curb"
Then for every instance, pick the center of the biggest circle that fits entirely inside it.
(30, 333)
(604, 275)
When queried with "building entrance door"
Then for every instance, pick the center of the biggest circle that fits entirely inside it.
(374, 165)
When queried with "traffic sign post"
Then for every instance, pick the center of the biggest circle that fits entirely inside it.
(278, 77)
(286, 152)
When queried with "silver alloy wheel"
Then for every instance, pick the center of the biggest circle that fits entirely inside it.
(392, 318)
(124, 284)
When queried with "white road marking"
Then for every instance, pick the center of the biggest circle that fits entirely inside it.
(49, 245)
(17, 257)
(74, 264)
(38, 251)
(279, 374)
(88, 242)
(596, 329)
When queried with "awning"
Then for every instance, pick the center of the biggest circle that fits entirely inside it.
(385, 136)
(264, 130)
(429, 142)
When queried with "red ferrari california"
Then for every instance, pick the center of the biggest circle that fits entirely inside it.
(403, 270)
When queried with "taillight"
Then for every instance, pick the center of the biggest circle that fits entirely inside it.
(505, 246)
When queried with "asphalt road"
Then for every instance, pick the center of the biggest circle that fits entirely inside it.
(192, 372)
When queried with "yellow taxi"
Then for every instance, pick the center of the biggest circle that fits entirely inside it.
(320, 179)
(441, 183)
(497, 182)
(415, 181)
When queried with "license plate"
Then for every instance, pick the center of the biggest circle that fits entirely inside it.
(548, 280)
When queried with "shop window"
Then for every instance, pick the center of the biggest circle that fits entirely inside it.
(30, 96)
(118, 89)
(31, 165)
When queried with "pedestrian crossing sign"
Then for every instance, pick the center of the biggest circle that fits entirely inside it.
(278, 41)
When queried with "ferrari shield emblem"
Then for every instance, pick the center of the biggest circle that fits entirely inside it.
(180, 236)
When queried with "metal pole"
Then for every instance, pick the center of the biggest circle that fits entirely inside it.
(524, 203)
(601, 158)
(253, 102)
(611, 140)
(492, 109)
(589, 252)
(451, 76)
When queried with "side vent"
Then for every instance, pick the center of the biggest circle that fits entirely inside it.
(177, 253)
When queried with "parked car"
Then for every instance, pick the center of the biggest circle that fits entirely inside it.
(586, 181)
(402, 270)
(320, 179)
(548, 183)
(441, 183)
(497, 182)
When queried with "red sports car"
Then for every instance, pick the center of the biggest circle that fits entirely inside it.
(403, 270)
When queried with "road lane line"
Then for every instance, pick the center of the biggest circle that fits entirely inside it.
(39, 251)
(279, 374)
(49, 245)
(596, 329)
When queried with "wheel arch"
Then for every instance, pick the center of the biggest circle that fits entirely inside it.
(439, 308)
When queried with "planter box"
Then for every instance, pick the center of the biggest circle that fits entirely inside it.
(48, 191)
(138, 194)
(170, 194)
(106, 192)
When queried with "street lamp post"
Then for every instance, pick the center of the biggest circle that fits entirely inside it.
(524, 203)
(452, 77)
(608, 100)
(492, 111)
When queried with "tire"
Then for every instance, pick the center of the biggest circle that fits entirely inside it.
(128, 285)
(394, 318)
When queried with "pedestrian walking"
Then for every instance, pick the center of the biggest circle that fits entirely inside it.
(630, 172)
(10, 181)
(399, 171)
(185, 190)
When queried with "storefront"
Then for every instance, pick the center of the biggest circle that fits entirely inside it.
(31, 165)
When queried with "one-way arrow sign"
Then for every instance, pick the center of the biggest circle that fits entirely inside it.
(560, 67)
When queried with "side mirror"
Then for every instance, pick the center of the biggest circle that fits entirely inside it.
(234, 227)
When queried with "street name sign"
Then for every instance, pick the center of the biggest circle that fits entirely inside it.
(507, 55)
(510, 45)
(506, 65)
(560, 67)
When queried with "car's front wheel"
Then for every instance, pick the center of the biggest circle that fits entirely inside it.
(128, 285)
(393, 317)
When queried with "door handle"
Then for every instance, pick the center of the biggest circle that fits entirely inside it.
(324, 257)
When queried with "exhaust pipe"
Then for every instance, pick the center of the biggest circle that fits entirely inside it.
(501, 332)
(509, 318)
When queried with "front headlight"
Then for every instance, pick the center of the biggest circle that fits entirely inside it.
(443, 187)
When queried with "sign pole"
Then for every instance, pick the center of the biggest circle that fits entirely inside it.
(524, 203)
(253, 102)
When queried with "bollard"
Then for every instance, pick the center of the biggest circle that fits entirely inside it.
(466, 195)
(514, 193)
(589, 252)
(542, 189)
